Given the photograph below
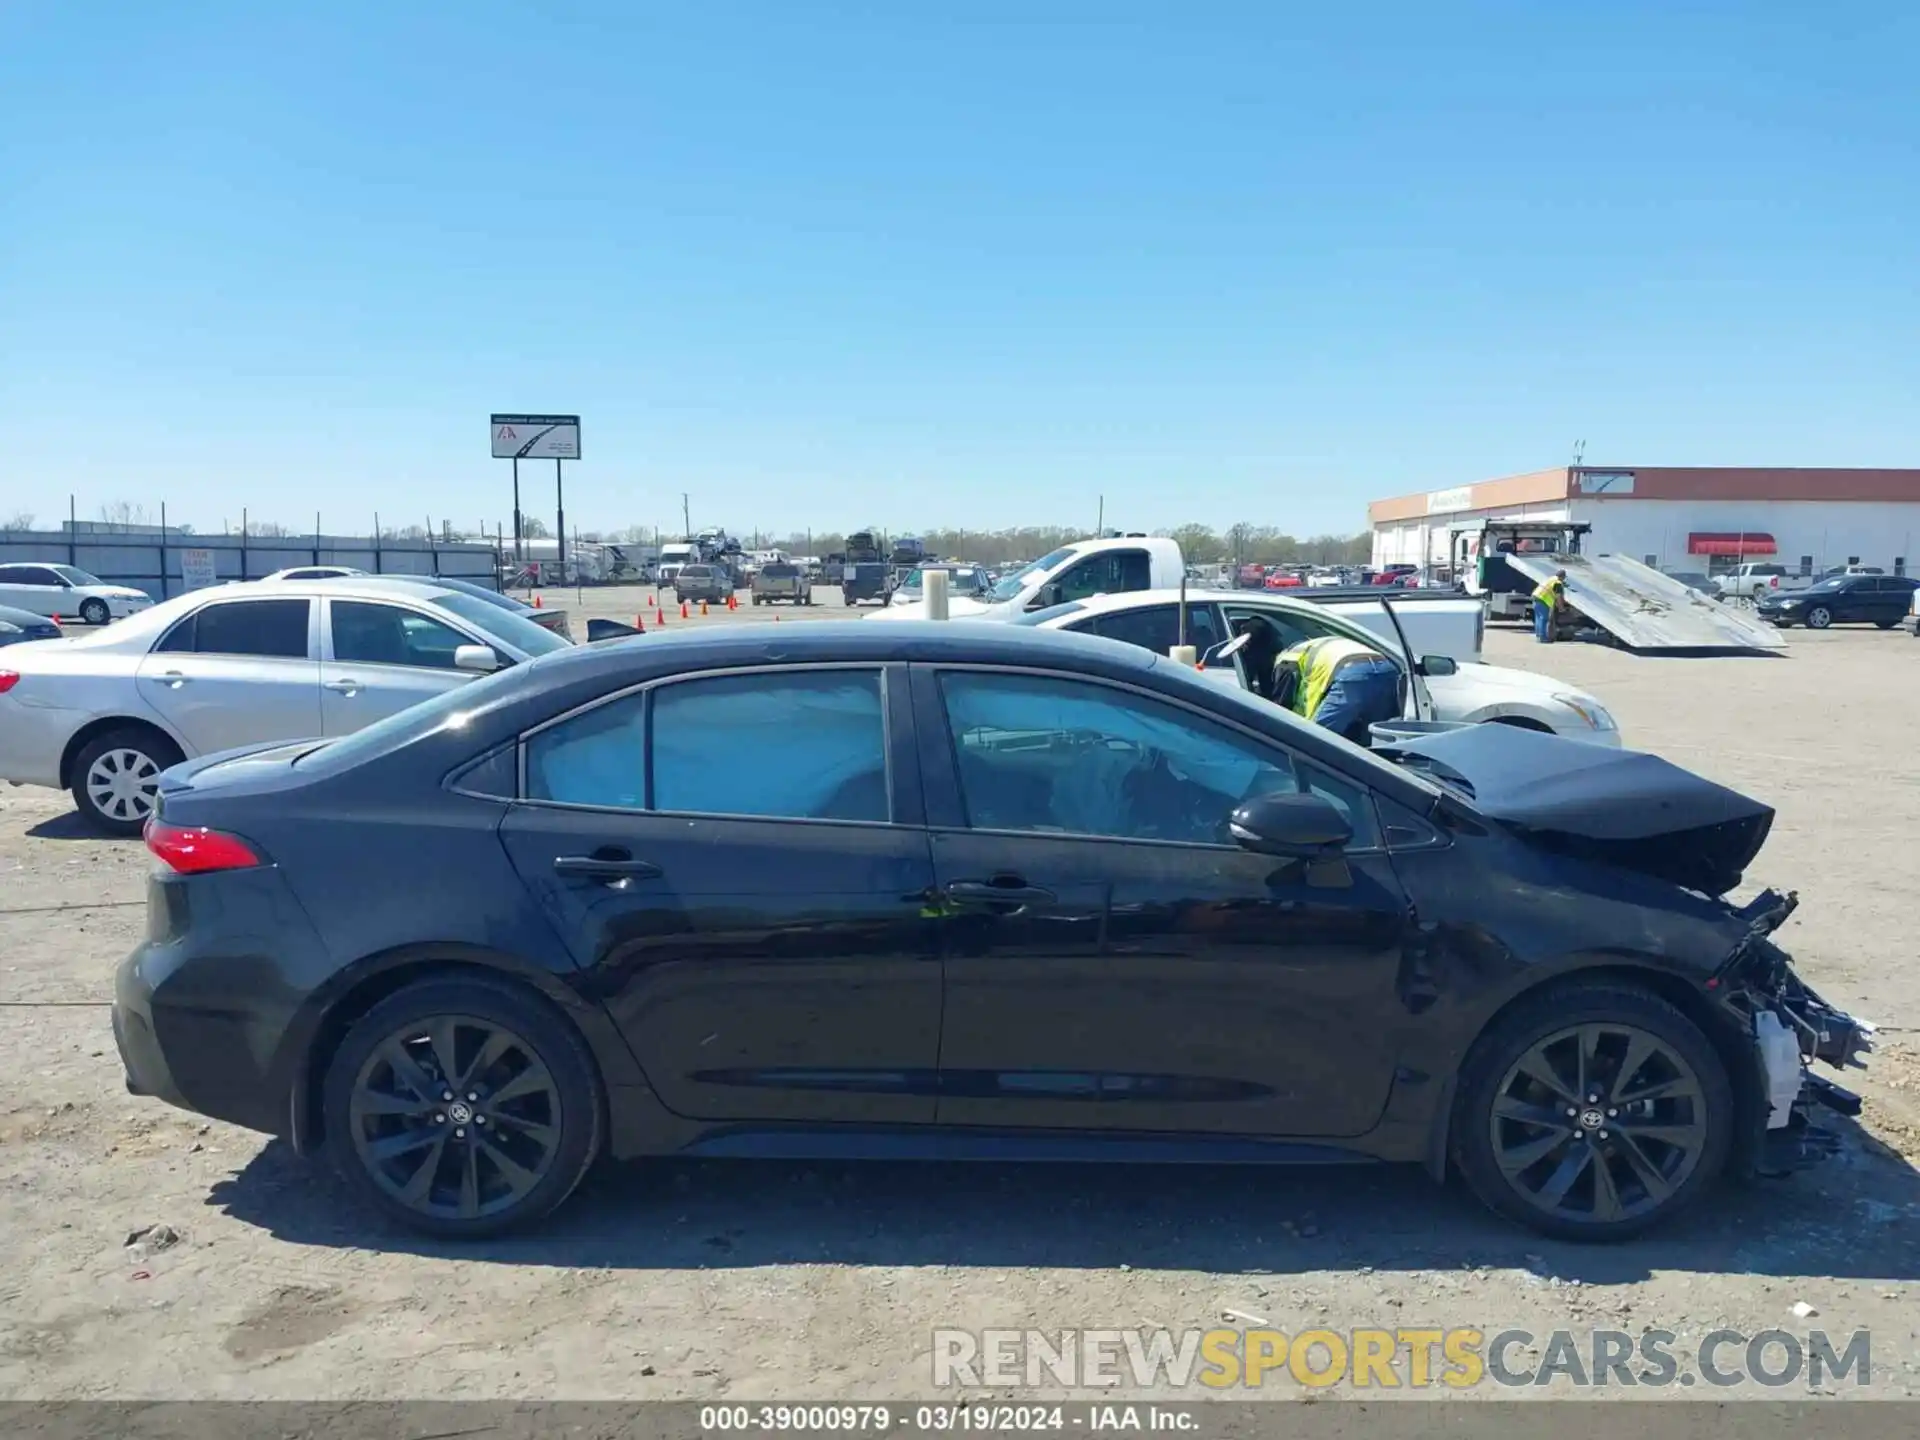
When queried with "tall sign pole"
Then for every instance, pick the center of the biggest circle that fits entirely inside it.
(517, 529)
(537, 437)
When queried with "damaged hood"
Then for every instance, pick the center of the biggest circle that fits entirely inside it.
(1620, 807)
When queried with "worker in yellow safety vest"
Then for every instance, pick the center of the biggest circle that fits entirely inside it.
(1339, 684)
(1547, 599)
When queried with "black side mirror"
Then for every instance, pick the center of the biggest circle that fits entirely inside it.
(1306, 827)
(1437, 665)
(1048, 597)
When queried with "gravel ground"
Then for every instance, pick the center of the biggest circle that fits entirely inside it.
(742, 1280)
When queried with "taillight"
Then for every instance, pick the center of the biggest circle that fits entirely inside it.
(196, 850)
(8, 679)
(1773, 582)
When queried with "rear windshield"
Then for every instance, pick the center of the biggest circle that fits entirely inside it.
(508, 626)
(779, 572)
(694, 572)
(446, 711)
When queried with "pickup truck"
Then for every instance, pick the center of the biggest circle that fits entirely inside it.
(1758, 578)
(1073, 572)
(1439, 687)
(782, 580)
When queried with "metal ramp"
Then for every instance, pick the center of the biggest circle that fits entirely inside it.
(1645, 610)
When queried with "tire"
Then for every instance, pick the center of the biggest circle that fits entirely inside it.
(1819, 618)
(1545, 1026)
(567, 1106)
(136, 752)
(94, 611)
(755, 600)
(1886, 624)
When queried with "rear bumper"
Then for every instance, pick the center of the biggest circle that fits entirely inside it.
(204, 1007)
(32, 739)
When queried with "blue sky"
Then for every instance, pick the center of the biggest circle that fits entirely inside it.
(825, 263)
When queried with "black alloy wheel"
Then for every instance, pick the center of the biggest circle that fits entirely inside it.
(1595, 1115)
(463, 1107)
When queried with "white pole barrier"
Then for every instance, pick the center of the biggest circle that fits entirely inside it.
(934, 584)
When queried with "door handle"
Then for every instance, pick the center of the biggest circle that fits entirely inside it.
(345, 687)
(610, 866)
(173, 678)
(1010, 891)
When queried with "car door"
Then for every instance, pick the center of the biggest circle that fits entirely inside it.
(1287, 624)
(1114, 962)
(379, 658)
(739, 863)
(37, 590)
(1890, 598)
(236, 672)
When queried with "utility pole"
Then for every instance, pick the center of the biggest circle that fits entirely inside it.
(1100, 524)
(686, 516)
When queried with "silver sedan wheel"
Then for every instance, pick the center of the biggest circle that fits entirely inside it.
(122, 784)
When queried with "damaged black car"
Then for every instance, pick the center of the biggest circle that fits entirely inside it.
(943, 891)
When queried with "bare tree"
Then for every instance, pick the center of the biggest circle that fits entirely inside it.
(18, 520)
(269, 529)
(124, 514)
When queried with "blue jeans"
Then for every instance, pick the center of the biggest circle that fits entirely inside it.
(1542, 621)
(1363, 693)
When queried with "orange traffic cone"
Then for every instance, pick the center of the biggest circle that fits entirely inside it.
(683, 609)
(733, 602)
(536, 602)
(654, 600)
(659, 616)
(776, 619)
(640, 623)
(703, 608)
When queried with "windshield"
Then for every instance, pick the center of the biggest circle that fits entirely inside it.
(1011, 587)
(507, 626)
(1052, 612)
(1825, 587)
(75, 576)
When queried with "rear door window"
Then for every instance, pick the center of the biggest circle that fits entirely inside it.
(267, 629)
(1111, 572)
(802, 745)
(1156, 627)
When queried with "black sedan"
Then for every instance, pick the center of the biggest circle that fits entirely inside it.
(1883, 600)
(19, 626)
(962, 891)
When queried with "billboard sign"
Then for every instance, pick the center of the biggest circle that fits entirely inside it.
(536, 437)
(1606, 482)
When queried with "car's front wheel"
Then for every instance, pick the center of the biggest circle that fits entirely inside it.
(1819, 618)
(463, 1107)
(116, 777)
(1592, 1112)
(94, 610)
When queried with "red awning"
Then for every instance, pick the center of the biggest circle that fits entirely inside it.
(1750, 543)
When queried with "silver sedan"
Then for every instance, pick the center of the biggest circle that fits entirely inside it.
(102, 714)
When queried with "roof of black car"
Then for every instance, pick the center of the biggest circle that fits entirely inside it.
(664, 651)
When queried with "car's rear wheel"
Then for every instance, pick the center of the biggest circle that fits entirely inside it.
(1594, 1112)
(94, 610)
(1819, 618)
(1886, 624)
(116, 777)
(463, 1107)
